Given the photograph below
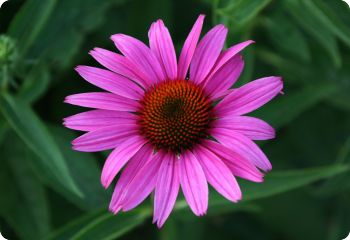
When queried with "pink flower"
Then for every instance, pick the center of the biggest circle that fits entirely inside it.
(160, 118)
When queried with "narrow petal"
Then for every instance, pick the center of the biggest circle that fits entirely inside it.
(224, 77)
(104, 138)
(207, 52)
(193, 183)
(227, 55)
(189, 48)
(250, 96)
(111, 82)
(253, 128)
(103, 100)
(116, 63)
(95, 119)
(119, 157)
(218, 174)
(141, 56)
(144, 182)
(243, 146)
(131, 170)
(167, 189)
(162, 46)
(238, 165)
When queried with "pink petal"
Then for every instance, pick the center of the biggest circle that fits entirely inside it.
(162, 46)
(250, 96)
(104, 138)
(111, 82)
(224, 77)
(207, 52)
(166, 190)
(189, 48)
(193, 183)
(218, 174)
(116, 63)
(239, 165)
(141, 56)
(227, 55)
(243, 146)
(144, 182)
(253, 128)
(103, 100)
(131, 170)
(95, 119)
(119, 157)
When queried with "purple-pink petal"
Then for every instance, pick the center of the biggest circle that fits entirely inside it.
(193, 183)
(207, 52)
(224, 78)
(144, 182)
(189, 47)
(162, 46)
(111, 82)
(243, 146)
(141, 56)
(166, 190)
(103, 100)
(104, 138)
(95, 119)
(249, 97)
(218, 174)
(116, 63)
(119, 157)
(253, 128)
(238, 164)
(132, 168)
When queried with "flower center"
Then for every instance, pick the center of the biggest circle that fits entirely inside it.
(175, 115)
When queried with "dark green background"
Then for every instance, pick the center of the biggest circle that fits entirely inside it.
(48, 191)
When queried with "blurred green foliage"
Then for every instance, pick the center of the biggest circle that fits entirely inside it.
(48, 191)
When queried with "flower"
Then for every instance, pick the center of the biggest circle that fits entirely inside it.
(173, 124)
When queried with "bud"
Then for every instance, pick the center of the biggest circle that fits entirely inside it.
(8, 51)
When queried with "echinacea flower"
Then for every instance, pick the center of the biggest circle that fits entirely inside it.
(172, 123)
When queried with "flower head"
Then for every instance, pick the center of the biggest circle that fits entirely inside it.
(173, 124)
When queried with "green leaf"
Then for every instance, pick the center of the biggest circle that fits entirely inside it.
(35, 12)
(287, 107)
(84, 170)
(34, 133)
(107, 226)
(23, 200)
(242, 11)
(308, 19)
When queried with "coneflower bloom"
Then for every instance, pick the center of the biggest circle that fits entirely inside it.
(173, 123)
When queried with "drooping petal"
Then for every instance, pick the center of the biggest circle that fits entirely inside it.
(253, 128)
(224, 77)
(119, 157)
(238, 165)
(141, 56)
(103, 100)
(189, 48)
(116, 63)
(162, 46)
(227, 55)
(218, 174)
(207, 52)
(193, 183)
(132, 168)
(144, 182)
(166, 190)
(95, 119)
(111, 82)
(243, 146)
(250, 96)
(104, 138)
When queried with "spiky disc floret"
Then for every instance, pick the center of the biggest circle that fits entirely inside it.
(175, 115)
